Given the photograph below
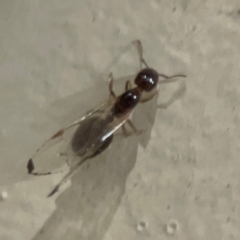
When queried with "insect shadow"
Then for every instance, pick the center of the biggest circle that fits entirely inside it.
(85, 209)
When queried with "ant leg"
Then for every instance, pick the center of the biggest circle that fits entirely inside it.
(128, 85)
(149, 97)
(112, 93)
(125, 132)
(135, 129)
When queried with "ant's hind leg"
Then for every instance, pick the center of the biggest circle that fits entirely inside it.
(125, 132)
(135, 129)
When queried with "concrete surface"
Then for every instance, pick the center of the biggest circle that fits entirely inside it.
(183, 183)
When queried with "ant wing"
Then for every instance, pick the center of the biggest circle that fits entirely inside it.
(39, 163)
(90, 139)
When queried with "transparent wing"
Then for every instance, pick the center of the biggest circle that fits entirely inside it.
(90, 139)
(41, 163)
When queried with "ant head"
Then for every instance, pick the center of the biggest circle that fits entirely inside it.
(147, 79)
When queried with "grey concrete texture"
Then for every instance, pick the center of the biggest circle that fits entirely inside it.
(180, 178)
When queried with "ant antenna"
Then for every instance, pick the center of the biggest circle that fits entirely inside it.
(169, 79)
(173, 76)
(142, 60)
(140, 53)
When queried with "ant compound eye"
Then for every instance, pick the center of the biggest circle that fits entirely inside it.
(147, 79)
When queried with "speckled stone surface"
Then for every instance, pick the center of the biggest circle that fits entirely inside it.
(180, 183)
